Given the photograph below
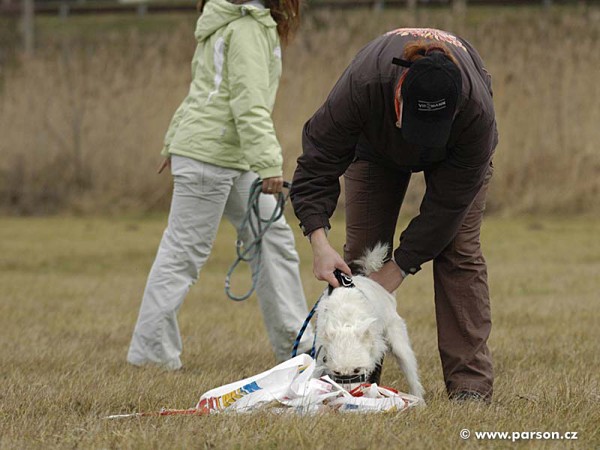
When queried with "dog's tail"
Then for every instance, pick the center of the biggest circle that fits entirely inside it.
(373, 259)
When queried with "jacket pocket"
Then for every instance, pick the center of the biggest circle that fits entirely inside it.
(229, 136)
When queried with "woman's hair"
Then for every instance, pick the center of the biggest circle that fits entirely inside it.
(286, 14)
(418, 49)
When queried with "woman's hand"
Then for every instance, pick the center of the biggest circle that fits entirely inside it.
(326, 259)
(272, 185)
(166, 163)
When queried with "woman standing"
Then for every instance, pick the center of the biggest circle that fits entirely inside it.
(412, 100)
(220, 140)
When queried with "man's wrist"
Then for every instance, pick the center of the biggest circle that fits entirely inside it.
(318, 236)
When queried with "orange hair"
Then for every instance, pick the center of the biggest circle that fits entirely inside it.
(416, 50)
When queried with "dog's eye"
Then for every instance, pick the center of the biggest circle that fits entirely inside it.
(356, 371)
(324, 359)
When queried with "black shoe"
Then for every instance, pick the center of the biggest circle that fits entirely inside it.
(468, 396)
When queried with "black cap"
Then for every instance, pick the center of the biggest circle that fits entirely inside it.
(430, 93)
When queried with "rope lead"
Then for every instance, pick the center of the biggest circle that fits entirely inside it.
(258, 227)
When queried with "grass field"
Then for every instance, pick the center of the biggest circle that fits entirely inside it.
(71, 290)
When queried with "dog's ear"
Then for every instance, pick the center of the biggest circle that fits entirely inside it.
(326, 325)
(364, 328)
(366, 336)
(366, 324)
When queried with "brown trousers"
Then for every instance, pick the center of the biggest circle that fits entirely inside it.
(374, 195)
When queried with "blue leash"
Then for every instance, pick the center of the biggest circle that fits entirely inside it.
(303, 329)
(345, 281)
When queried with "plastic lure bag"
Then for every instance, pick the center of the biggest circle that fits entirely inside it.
(291, 387)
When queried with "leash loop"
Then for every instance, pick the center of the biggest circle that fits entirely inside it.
(257, 227)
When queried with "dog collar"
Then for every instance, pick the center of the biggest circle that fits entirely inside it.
(349, 379)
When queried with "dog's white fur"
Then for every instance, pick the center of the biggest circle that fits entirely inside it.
(356, 326)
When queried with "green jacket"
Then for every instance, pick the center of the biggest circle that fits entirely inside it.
(226, 117)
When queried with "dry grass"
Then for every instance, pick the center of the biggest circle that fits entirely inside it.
(70, 294)
(82, 123)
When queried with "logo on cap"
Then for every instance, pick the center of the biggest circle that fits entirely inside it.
(431, 106)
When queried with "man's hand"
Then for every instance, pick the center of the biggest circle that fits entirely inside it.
(272, 185)
(389, 276)
(326, 259)
(166, 163)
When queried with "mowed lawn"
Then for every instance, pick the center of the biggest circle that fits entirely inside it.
(70, 293)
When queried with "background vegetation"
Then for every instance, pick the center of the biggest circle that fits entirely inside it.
(83, 120)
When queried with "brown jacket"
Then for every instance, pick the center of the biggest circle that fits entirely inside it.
(358, 120)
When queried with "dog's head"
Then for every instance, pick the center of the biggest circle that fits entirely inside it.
(351, 340)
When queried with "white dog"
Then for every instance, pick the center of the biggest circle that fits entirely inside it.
(357, 325)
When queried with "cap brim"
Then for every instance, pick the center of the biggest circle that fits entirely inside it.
(426, 134)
